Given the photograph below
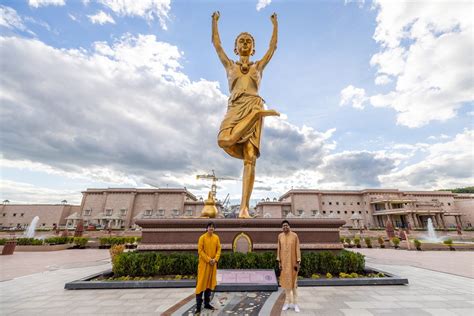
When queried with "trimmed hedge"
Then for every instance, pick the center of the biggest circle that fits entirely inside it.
(29, 242)
(80, 241)
(110, 241)
(59, 240)
(144, 264)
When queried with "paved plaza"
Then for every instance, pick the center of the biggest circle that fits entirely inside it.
(38, 287)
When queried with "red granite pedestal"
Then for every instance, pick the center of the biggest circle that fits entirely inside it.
(249, 234)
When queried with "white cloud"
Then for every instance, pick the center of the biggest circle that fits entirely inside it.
(382, 80)
(147, 9)
(440, 137)
(20, 192)
(447, 165)
(101, 18)
(360, 3)
(44, 3)
(427, 47)
(9, 18)
(262, 4)
(123, 114)
(356, 168)
(72, 17)
(353, 96)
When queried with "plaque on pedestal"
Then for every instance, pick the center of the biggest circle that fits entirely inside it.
(246, 280)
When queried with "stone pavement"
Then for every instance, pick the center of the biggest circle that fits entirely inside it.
(429, 293)
(24, 263)
(454, 262)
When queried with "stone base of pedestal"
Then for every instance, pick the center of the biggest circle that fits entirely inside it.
(260, 233)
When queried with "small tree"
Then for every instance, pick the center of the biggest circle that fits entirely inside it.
(116, 250)
(381, 242)
(449, 242)
(368, 242)
(417, 244)
(357, 242)
(348, 242)
(396, 242)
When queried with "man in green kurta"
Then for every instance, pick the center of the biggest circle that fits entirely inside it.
(289, 260)
(209, 250)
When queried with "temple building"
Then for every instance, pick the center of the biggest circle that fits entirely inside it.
(119, 208)
(373, 207)
(20, 215)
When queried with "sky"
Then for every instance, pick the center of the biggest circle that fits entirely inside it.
(131, 93)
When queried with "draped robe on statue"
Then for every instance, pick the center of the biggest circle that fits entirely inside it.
(288, 254)
(209, 247)
(242, 102)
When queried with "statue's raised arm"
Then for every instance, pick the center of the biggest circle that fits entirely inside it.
(216, 40)
(273, 44)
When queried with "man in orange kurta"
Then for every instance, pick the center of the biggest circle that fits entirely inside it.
(209, 250)
(289, 259)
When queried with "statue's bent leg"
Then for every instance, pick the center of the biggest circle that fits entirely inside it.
(248, 178)
(229, 138)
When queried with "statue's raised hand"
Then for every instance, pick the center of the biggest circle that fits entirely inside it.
(216, 15)
(274, 18)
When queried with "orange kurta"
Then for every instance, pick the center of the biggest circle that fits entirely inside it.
(209, 247)
(288, 254)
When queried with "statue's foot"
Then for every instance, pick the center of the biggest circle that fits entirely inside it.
(264, 113)
(244, 213)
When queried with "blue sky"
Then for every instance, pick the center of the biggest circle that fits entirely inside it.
(107, 93)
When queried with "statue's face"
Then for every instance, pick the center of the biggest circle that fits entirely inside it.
(245, 45)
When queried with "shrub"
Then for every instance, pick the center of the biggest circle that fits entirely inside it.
(150, 263)
(116, 250)
(3, 241)
(357, 242)
(417, 244)
(368, 242)
(329, 275)
(396, 242)
(110, 241)
(348, 242)
(315, 276)
(59, 240)
(341, 239)
(449, 242)
(29, 242)
(81, 242)
(381, 242)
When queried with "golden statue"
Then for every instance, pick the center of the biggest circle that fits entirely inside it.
(210, 209)
(240, 131)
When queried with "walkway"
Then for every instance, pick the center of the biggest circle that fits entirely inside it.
(429, 292)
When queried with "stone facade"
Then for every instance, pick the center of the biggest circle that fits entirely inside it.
(372, 208)
(118, 208)
(21, 215)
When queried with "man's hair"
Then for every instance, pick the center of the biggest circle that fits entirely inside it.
(285, 221)
(210, 224)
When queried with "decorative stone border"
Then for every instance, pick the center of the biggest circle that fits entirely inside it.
(87, 283)
(40, 248)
